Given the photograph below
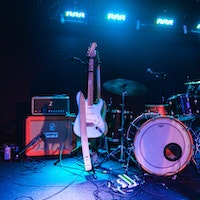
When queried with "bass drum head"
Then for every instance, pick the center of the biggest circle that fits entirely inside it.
(163, 146)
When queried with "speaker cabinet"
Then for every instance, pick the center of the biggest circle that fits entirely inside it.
(49, 135)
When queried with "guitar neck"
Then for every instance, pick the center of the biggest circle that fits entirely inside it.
(98, 82)
(90, 95)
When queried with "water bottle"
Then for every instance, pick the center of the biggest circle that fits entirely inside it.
(7, 153)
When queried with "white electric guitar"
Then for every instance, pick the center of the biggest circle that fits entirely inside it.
(95, 123)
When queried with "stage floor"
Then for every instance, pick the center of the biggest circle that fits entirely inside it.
(64, 177)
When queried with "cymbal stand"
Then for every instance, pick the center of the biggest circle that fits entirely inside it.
(121, 148)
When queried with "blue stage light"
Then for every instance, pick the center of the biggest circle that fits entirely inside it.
(74, 14)
(116, 17)
(164, 21)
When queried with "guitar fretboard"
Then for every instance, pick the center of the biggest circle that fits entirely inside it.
(90, 95)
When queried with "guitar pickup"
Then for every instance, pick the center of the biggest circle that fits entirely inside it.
(90, 124)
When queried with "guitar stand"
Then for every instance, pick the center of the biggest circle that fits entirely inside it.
(76, 150)
(121, 148)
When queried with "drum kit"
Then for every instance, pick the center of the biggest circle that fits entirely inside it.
(165, 138)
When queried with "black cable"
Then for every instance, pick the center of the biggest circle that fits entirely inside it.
(22, 197)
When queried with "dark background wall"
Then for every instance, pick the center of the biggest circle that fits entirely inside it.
(36, 51)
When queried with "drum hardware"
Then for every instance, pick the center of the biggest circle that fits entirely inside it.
(197, 92)
(192, 83)
(197, 164)
(195, 131)
(190, 90)
(121, 148)
(109, 106)
(124, 88)
(130, 149)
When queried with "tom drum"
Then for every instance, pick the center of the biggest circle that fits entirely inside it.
(113, 119)
(184, 106)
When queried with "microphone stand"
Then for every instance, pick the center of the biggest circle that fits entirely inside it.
(79, 60)
(31, 143)
(122, 127)
(161, 76)
(121, 148)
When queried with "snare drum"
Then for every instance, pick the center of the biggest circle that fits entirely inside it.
(162, 144)
(183, 106)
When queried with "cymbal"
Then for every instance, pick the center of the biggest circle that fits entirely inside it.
(192, 83)
(120, 85)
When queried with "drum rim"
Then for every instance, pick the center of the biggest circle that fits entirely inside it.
(156, 105)
(175, 96)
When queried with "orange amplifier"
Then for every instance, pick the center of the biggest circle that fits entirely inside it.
(50, 105)
(49, 135)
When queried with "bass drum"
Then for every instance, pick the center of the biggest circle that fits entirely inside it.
(162, 144)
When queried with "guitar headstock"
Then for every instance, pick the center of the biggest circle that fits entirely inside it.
(91, 50)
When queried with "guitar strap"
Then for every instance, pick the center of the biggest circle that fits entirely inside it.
(84, 138)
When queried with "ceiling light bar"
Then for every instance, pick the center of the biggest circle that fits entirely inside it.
(116, 17)
(164, 21)
(74, 14)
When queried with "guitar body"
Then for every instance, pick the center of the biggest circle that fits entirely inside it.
(95, 124)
